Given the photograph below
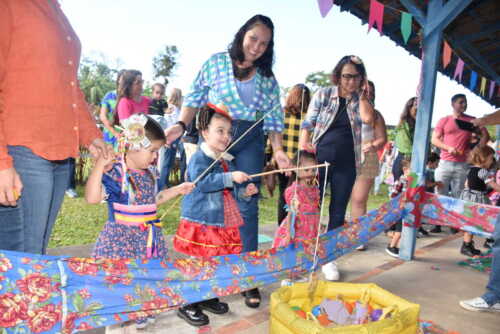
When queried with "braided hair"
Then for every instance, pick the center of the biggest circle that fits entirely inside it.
(205, 117)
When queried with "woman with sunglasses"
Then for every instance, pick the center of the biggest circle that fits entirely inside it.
(334, 120)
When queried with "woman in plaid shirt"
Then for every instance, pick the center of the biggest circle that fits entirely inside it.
(334, 118)
(242, 80)
(296, 104)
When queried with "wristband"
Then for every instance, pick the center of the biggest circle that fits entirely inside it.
(182, 124)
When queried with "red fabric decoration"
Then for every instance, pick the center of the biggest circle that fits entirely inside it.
(376, 15)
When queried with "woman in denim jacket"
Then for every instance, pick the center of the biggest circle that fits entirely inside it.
(210, 217)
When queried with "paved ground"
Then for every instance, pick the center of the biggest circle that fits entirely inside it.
(433, 280)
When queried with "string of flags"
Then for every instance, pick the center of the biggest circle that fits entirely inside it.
(376, 18)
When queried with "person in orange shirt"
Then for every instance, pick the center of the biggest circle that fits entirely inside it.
(44, 120)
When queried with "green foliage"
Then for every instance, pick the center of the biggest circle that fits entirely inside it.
(165, 62)
(96, 79)
(318, 79)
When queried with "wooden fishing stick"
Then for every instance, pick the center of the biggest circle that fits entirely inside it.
(326, 164)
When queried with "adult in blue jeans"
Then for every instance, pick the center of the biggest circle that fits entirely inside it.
(490, 300)
(334, 118)
(41, 125)
(241, 79)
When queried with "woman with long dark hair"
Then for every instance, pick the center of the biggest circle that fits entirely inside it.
(242, 80)
(334, 119)
(130, 100)
(404, 136)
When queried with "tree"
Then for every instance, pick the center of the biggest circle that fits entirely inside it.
(318, 79)
(96, 79)
(165, 62)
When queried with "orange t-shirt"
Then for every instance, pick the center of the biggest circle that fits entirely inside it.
(41, 104)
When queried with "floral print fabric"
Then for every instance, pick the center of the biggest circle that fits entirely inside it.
(55, 294)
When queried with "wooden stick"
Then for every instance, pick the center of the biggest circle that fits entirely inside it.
(326, 164)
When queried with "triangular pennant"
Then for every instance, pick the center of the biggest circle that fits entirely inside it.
(492, 89)
(325, 6)
(459, 70)
(446, 54)
(473, 80)
(376, 15)
(406, 19)
(482, 90)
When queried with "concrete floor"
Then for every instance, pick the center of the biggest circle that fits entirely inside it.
(433, 280)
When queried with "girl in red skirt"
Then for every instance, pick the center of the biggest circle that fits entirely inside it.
(210, 218)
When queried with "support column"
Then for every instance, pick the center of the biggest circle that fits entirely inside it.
(432, 42)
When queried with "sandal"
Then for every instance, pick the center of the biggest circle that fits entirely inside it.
(250, 295)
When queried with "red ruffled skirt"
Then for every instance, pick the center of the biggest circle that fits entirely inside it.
(205, 240)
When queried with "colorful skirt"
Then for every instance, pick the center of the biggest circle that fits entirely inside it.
(370, 166)
(123, 241)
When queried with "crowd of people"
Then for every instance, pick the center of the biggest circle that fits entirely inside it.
(219, 131)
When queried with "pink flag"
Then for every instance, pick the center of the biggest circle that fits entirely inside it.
(376, 15)
(446, 54)
(459, 70)
(325, 6)
(492, 89)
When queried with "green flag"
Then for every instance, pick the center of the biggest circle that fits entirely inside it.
(406, 25)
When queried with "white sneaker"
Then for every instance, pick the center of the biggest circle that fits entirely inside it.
(286, 282)
(71, 193)
(330, 271)
(479, 305)
(361, 248)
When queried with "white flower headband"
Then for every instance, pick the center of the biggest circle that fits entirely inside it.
(134, 134)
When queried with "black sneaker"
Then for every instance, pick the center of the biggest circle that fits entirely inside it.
(436, 229)
(392, 251)
(423, 231)
(193, 315)
(214, 305)
(468, 249)
(488, 243)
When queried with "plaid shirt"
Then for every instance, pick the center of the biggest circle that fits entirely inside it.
(291, 134)
(322, 111)
(215, 83)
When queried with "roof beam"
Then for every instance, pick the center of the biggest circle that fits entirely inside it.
(475, 57)
(485, 32)
(446, 15)
(417, 13)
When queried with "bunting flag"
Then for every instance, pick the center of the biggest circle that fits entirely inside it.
(473, 80)
(459, 70)
(376, 15)
(325, 6)
(492, 89)
(482, 91)
(406, 19)
(446, 54)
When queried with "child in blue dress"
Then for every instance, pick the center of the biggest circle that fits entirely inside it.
(130, 183)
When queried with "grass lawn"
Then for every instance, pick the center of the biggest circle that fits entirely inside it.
(79, 223)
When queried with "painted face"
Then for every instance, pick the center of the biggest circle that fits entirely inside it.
(137, 86)
(460, 105)
(350, 79)
(255, 42)
(142, 159)
(218, 134)
(307, 175)
(158, 93)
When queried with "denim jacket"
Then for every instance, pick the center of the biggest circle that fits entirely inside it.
(205, 204)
